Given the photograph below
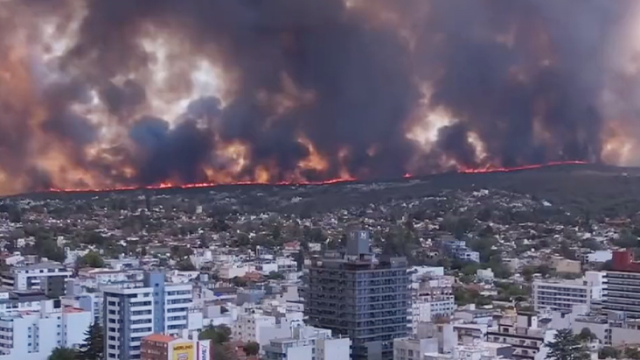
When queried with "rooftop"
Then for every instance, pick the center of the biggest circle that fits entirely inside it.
(38, 266)
(159, 338)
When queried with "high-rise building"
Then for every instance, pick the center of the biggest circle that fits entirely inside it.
(564, 294)
(622, 285)
(360, 296)
(47, 276)
(308, 343)
(132, 313)
(34, 334)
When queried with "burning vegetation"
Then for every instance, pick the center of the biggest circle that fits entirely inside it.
(158, 93)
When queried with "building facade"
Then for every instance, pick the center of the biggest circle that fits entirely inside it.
(413, 348)
(31, 277)
(165, 347)
(525, 335)
(33, 335)
(308, 344)
(356, 295)
(432, 298)
(622, 285)
(458, 249)
(564, 294)
(130, 314)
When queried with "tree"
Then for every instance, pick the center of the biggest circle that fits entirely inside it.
(566, 346)
(626, 240)
(251, 348)
(15, 214)
(274, 275)
(91, 259)
(46, 246)
(609, 352)
(222, 352)
(239, 282)
(527, 273)
(217, 334)
(632, 353)
(186, 265)
(93, 347)
(62, 353)
(94, 238)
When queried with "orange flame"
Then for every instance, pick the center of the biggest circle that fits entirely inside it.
(302, 183)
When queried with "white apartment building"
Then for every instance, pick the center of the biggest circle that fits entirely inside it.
(33, 335)
(308, 344)
(413, 348)
(130, 314)
(262, 328)
(229, 271)
(524, 334)
(478, 350)
(14, 302)
(94, 277)
(30, 277)
(564, 294)
(432, 298)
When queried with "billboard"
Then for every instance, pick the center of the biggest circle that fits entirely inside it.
(183, 351)
(204, 350)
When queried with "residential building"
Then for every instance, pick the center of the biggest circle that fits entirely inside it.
(12, 302)
(34, 334)
(262, 328)
(78, 296)
(562, 265)
(485, 275)
(132, 313)
(599, 256)
(564, 294)
(307, 343)
(413, 348)
(166, 347)
(525, 334)
(622, 285)
(479, 350)
(356, 295)
(459, 250)
(47, 276)
(432, 298)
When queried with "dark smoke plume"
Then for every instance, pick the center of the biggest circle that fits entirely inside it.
(525, 79)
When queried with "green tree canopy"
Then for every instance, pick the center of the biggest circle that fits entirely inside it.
(566, 346)
(217, 334)
(632, 353)
(93, 347)
(274, 275)
(91, 259)
(186, 265)
(62, 353)
(251, 348)
(609, 352)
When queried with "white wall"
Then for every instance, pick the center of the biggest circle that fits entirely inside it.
(333, 349)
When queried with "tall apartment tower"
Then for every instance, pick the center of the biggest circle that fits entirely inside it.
(622, 285)
(357, 295)
(132, 313)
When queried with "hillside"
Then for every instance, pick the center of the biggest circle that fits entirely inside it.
(598, 190)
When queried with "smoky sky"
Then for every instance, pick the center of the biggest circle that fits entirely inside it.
(523, 77)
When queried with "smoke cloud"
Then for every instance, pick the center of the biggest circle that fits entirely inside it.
(97, 94)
